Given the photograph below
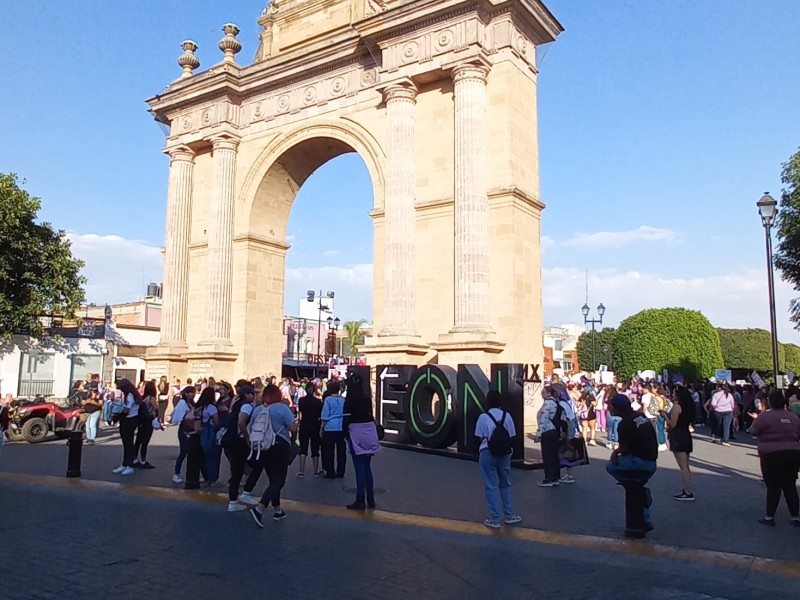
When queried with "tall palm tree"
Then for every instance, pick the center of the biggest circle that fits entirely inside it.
(355, 336)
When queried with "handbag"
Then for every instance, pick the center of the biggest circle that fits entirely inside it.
(380, 431)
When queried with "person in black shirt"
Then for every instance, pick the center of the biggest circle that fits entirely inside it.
(310, 408)
(638, 447)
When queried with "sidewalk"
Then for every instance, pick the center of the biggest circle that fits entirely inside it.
(730, 496)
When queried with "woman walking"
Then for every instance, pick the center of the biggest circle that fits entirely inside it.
(777, 433)
(274, 461)
(163, 399)
(212, 453)
(362, 433)
(185, 404)
(681, 417)
(722, 407)
(550, 435)
(127, 425)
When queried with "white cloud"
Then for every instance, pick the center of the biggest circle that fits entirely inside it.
(352, 284)
(618, 239)
(117, 269)
(330, 253)
(735, 299)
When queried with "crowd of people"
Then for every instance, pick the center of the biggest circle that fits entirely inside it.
(261, 426)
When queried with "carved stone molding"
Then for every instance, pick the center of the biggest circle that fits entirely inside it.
(470, 71)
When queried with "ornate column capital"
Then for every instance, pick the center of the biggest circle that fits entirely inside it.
(224, 141)
(470, 71)
(400, 91)
(180, 152)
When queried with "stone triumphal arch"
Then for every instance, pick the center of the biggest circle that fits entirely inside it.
(439, 100)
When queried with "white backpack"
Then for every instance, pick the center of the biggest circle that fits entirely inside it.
(262, 436)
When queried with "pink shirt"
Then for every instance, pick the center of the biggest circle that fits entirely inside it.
(722, 402)
(776, 430)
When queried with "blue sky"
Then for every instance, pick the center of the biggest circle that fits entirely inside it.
(661, 124)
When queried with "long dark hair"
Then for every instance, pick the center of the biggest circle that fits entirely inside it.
(150, 389)
(207, 397)
(126, 387)
(686, 403)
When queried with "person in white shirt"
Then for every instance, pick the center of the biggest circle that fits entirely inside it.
(127, 426)
(496, 470)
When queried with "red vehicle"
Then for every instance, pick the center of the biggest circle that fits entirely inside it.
(33, 420)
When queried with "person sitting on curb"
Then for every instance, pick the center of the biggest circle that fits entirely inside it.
(638, 447)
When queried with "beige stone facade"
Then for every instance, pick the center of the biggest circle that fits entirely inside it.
(439, 100)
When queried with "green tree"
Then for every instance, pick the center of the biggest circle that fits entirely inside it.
(792, 358)
(680, 340)
(748, 349)
(603, 348)
(787, 256)
(38, 275)
(354, 337)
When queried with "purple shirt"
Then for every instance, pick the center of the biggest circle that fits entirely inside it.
(364, 438)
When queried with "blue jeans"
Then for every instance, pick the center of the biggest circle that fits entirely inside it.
(725, 420)
(632, 463)
(362, 463)
(613, 425)
(496, 471)
(91, 425)
(661, 431)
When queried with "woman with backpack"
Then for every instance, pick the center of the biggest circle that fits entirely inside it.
(275, 453)
(148, 410)
(184, 406)
(236, 442)
(495, 460)
(129, 420)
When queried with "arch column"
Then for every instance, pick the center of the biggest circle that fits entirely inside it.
(176, 252)
(220, 242)
(471, 200)
(399, 197)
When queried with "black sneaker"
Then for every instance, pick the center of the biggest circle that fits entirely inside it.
(684, 497)
(279, 515)
(257, 516)
(765, 521)
(146, 465)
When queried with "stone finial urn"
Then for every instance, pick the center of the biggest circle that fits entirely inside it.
(229, 44)
(188, 60)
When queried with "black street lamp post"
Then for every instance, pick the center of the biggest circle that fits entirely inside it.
(768, 209)
(333, 327)
(601, 310)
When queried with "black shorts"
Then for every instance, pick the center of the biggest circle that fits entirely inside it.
(309, 436)
(680, 440)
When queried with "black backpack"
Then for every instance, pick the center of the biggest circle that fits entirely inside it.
(228, 438)
(499, 441)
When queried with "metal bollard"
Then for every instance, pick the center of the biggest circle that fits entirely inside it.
(75, 445)
(194, 459)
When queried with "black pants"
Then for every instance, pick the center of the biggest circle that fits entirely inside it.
(275, 463)
(237, 456)
(333, 441)
(552, 464)
(780, 475)
(162, 410)
(310, 436)
(144, 431)
(127, 431)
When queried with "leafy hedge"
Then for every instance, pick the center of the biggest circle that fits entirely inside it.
(749, 349)
(680, 340)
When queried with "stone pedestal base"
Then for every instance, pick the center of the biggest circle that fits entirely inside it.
(213, 360)
(395, 350)
(468, 348)
(167, 359)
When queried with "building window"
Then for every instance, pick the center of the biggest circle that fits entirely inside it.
(558, 345)
(36, 374)
(83, 364)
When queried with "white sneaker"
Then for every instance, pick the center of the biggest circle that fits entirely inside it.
(128, 471)
(662, 447)
(235, 506)
(177, 479)
(567, 479)
(247, 498)
(118, 470)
